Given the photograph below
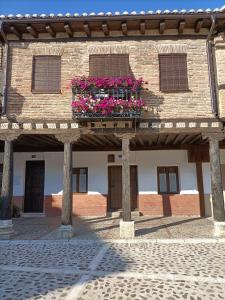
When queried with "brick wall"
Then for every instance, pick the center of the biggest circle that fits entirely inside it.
(143, 61)
(83, 205)
(167, 205)
(220, 65)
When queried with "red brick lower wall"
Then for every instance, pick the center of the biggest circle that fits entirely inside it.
(96, 205)
(167, 205)
(18, 201)
(83, 205)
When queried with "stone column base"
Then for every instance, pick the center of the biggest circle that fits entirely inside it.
(127, 229)
(65, 232)
(219, 229)
(6, 229)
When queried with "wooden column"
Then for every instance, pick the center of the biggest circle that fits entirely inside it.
(200, 187)
(68, 140)
(7, 182)
(126, 199)
(216, 178)
(67, 185)
(6, 226)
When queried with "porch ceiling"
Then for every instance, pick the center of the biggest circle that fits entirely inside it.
(100, 142)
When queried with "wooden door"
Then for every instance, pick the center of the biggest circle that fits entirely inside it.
(115, 187)
(34, 187)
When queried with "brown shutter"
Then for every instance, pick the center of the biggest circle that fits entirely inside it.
(173, 72)
(46, 74)
(109, 65)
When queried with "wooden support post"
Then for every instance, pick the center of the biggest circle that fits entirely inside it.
(126, 225)
(67, 185)
(200, 188)
(66, 230)
(6, 227)
(216, 179)
(126, 179)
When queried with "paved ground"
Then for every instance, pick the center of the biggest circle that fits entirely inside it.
(166, 269)
(108, 228)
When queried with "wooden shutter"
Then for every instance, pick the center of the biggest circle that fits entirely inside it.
(109, 65)
(46, 74)
(173, 72)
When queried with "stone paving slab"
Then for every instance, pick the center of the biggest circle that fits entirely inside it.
(102, 228)
(25, 285)
(78, 269)
(45, 255)
(121, 288)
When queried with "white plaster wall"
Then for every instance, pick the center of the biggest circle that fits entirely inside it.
(147, 162)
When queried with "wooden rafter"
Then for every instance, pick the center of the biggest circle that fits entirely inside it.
(50, 30)
(162, 26)
(181, 26)
(142, 27)
(15, 31)
(198, 25)
(32, 31)
(87, 29)
(124, 28)
(68, 30)
(195, 139)
(105, 28)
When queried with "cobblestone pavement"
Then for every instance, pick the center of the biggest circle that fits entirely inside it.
(108, 228)
(97, 269)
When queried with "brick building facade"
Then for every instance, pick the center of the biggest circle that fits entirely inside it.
(161, 162)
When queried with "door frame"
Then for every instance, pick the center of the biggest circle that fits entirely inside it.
(27, 214)
(120, 165)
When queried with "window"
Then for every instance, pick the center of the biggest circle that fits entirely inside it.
(46, 74)
(168, 182)
(173, 72)
(1, 171)
(80, 180)
(109, 65)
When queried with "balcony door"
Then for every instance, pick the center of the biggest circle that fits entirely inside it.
(115, 187)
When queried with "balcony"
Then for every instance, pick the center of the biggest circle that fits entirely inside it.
(106, 97)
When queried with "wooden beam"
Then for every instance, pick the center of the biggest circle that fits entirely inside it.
(200, 188)
(68, 30)
(87, 29)
(15, 31)
(196, 138)
(124, 28)
(181, 26)
(142, 27)
(50, 30)
(198, 25)
(32, 31)
(176, 139)
(105, 28)
(162, 26)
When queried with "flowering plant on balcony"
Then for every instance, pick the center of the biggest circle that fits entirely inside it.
(107, 96)
(106, 106)
(86, 83)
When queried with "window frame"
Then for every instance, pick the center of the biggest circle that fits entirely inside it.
(78, 180)
(168, 192)
(35, 91)
(173, 90)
